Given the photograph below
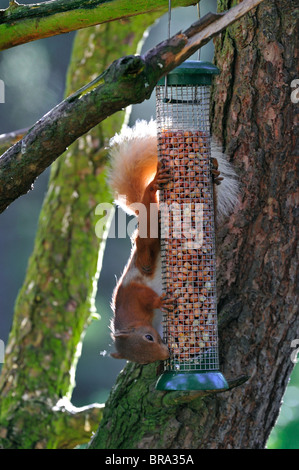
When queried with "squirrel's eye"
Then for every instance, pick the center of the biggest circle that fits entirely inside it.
(149, 337)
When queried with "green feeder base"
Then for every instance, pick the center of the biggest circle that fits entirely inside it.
(192, 380)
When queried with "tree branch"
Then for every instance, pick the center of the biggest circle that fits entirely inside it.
(11, 138)
(20, 24)
(74, 425)
(128, 80)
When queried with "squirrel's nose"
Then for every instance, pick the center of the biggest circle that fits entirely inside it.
(167, 354)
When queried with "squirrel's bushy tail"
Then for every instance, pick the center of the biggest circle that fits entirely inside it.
(133, 157)
(228, 191)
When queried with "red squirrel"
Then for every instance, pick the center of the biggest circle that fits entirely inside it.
(136, 176)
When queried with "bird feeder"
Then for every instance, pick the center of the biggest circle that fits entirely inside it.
(187, 230)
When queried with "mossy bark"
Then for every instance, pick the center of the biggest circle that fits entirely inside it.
(254, 117)
(23, 23)
(56, 301)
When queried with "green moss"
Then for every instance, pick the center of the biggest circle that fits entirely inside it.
(19, 23)
(56, 301)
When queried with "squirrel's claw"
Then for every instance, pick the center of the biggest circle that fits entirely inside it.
(215, 172)
(167, 303)
(163, 175)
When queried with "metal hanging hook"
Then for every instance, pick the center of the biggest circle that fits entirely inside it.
(169, 22)
(169, 17)
(198, 11)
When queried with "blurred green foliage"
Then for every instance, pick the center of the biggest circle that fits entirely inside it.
(285, 434)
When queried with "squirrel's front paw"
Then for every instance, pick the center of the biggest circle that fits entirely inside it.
(163, 175)
(167, 303)
(215, 172)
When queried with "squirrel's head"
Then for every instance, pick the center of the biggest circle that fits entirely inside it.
(142, 345)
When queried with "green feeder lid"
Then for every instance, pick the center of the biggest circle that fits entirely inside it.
(191, 72)
(192, 380)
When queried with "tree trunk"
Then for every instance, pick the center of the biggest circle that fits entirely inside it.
(254, 117)
(56, 301)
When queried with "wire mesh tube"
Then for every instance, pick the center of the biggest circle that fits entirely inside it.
(187, 235)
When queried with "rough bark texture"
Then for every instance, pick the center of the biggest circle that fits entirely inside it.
(258, 319)
(258, 297)
(56, 301)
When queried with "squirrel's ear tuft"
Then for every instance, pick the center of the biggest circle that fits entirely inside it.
(117, 355)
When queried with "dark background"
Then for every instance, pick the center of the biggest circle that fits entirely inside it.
(34, 78)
